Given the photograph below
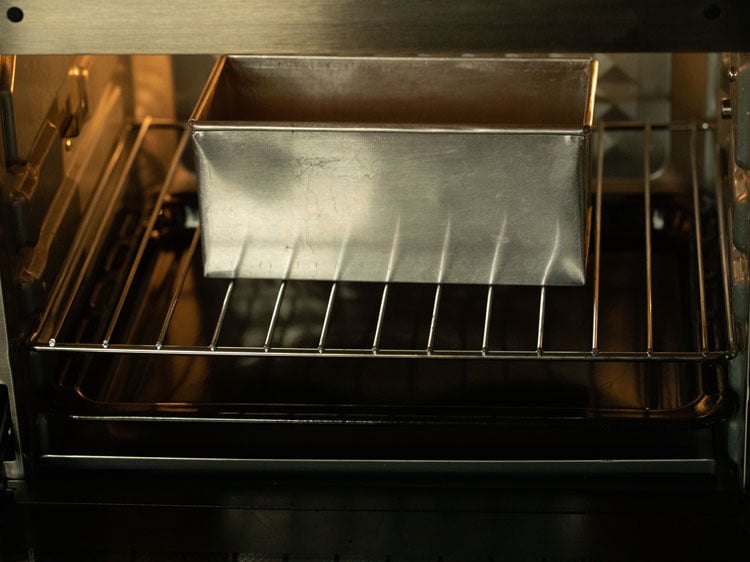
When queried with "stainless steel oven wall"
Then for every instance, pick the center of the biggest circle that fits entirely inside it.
(732, 81)
(60, 116)
(28, 88)
(365, 27)
(12, 463)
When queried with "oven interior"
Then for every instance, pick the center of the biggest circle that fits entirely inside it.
(131, 358)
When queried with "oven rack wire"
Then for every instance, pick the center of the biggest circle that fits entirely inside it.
(47, 335)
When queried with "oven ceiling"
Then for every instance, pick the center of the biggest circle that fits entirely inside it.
(365, 27)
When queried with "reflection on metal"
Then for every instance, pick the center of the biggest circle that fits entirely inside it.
(600, 350)
(306, 156)
(364, 27)
(223, 313)
(434, 319)
(698, 238)
(32, 92)
(636, 87)
(327, 319)
(11, 468)
(540, 466)
(487, 320)
(740, 101)
(598, 238)
(144, 241)
(184, 267)
(723, 242)
(515, 355)
(542, 311)
(381, 316)
(274, 315)
(726, 108)
(110, 200)
(647, 223)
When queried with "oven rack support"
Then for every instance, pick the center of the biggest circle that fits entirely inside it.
(47, 336)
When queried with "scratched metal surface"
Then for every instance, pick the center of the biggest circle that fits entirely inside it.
(411, 170)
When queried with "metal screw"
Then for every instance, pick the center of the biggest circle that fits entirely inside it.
(726, 109)
(68, 144)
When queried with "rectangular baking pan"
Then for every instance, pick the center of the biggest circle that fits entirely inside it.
(452, 170)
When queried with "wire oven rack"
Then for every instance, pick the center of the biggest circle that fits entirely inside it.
(48, 335)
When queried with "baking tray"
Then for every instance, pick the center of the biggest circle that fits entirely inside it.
(448, 170)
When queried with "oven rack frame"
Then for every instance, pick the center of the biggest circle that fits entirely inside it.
(46, 336)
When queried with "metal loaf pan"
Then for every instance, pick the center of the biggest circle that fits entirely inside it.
(453, 170)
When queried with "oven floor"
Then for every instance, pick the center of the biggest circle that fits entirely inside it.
(237, 519)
